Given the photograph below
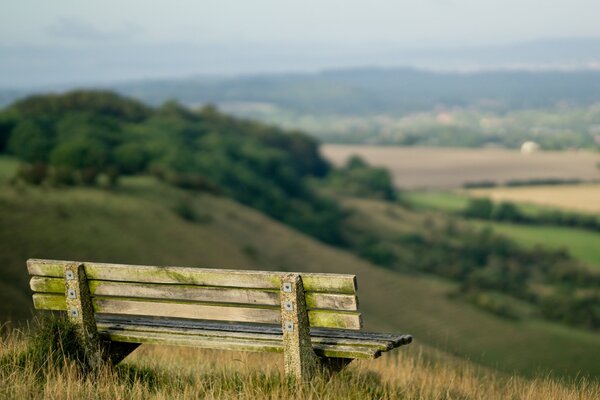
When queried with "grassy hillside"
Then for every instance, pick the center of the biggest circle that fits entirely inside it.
(154, 372)
(146, 221)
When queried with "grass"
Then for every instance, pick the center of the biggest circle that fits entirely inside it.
(446, 201)
(581, 244)
(138, 223)
(158, 372)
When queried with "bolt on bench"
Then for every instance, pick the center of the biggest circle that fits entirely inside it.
(311, 317)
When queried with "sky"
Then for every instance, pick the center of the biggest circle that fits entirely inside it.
(284, 33)
(277, 22)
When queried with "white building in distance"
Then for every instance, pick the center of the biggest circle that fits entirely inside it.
(529, 147)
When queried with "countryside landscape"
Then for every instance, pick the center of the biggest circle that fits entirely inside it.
(457, 187)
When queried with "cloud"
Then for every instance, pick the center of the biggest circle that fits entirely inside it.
(78, 30)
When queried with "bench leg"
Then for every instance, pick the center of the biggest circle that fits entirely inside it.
(81, 313)
(301, 362)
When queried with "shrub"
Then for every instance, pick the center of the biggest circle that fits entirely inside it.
(479, 208)
(34, 174)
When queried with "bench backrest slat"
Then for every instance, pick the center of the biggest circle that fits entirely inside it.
(259, 297)
(332, 283)
(131, 306)
(197, 293)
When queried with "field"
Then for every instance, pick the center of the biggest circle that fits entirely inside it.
(443, 168)
(139, 222)
(581, 244)
(570, 197)
(154, 372)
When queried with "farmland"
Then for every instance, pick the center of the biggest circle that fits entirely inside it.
(445, 168)
(581, 244)
(571, 197)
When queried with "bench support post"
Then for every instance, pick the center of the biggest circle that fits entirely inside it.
(81, 312)
(301, 362)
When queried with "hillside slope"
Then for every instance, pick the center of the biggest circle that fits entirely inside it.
(142, 221)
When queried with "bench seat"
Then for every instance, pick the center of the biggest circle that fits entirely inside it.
(250, 337)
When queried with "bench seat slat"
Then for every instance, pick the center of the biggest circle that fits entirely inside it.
(383, 345)
(314, 282)
(314, 300)
(204, 311)
(396, 339)
(322, 349)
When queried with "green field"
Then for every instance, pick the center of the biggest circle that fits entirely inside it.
(436, 200)
(581, 244)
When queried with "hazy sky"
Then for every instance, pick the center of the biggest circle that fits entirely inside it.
(350, 23)
(48, 42)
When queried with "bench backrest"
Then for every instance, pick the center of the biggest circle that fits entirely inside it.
(197, 293)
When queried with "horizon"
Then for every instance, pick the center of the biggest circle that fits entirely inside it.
(66, 66)
(68, 43)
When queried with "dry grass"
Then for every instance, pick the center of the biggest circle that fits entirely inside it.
(572, 197)
(155, 372)
(423, 167)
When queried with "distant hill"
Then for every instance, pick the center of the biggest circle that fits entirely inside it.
(368, 91)
(94, 64)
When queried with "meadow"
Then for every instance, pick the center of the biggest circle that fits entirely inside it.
(581, 244)
(447, 168)
(159, 372)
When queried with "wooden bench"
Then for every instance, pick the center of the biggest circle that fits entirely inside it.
(311, 317)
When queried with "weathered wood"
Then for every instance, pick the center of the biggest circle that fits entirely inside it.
(111, 305)
(131, 327)
(52, 302)
(43, 284)
(321, 350)
(169, 323)
(332, 283)
(206, 311)
(331, 301)
(314, 300)
(335, 319)
(80, 311)
(300, 360)
(195, 341)
(395, 339)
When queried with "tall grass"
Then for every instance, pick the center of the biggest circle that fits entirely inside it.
(157, 372)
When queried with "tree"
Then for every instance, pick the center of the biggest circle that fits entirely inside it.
(30, 141)
(479, 208)
(86, 156)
